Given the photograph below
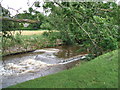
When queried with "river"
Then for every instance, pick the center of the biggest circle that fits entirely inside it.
(23, 67)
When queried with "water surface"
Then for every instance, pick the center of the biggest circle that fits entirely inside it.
(23, 67)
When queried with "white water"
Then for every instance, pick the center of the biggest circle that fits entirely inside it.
(28, 65)
(14, 70)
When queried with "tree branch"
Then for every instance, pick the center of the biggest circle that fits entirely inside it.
(84, 30)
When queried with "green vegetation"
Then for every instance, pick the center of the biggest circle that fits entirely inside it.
(22, 43)
(101, 72)
(94, 25)
(28, 15)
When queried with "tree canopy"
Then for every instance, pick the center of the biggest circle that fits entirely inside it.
(93, 24)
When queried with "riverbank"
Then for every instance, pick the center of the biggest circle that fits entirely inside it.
(29, 41)
(102, 72)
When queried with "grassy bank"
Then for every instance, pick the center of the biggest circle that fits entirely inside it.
(28, 40)
(102, 72)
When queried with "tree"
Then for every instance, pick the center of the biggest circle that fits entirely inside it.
(37, 16)
(92, 24)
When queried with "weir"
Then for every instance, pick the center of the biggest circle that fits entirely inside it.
(24, 67)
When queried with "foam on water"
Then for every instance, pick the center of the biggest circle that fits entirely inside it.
(35, 64)
(48, 50)
(17, 67)
(25, 66)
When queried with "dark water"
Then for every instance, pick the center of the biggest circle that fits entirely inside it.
(69, 51)
(64, 53)
(24, 67)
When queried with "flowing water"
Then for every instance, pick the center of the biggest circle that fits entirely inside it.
(24, 67)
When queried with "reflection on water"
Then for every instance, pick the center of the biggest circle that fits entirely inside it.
(68, 51)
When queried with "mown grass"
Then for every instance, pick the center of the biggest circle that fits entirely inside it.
(30, 32)
(101, 72)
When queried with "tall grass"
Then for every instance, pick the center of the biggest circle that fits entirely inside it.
(21, 43)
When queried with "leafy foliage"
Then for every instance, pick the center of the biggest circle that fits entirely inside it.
(36, 16)
(92, 24)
